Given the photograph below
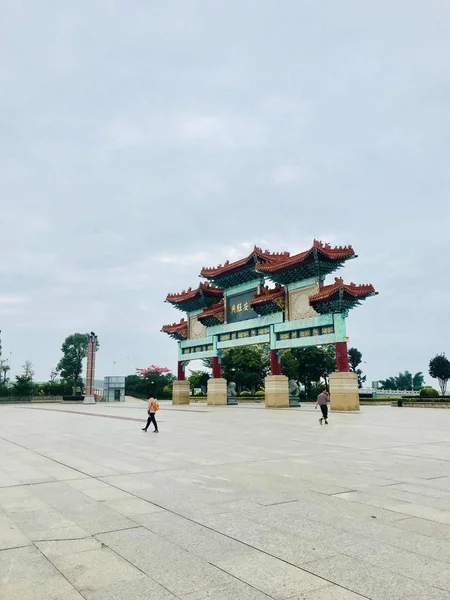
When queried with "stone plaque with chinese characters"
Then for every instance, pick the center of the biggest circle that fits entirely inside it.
(238, 307)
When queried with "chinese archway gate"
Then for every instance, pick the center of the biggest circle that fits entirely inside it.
(235, 307)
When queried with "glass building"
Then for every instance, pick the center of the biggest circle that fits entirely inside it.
(114, 389)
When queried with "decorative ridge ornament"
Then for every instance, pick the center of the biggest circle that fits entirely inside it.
(205, 286)
(257, 253)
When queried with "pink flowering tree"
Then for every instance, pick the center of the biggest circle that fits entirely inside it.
(150, 381)
(152, 370)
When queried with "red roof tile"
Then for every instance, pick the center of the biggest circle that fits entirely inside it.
(268, 294)
(283, 263)
(352, 289)
(212, 310)
(189, 294)
(180, 328)
(227, 267)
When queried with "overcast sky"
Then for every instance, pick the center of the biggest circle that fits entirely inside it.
(143, 140)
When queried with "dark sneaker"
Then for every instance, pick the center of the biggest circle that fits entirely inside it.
(321, 421)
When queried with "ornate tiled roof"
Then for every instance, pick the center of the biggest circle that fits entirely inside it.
(212, 315)
(340, 297)
(325, 251)
(204, 289)
(177, 330)
(269, 300)
(228, 267)
(267, 294)
(357, 291)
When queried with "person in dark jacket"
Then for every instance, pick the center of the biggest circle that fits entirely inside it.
(323, 400)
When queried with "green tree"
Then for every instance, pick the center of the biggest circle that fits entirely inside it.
(4, 370)
(404, 381)
(28, 370)
(198, 379)
(152, 381)
(207, 363)
(247, 366)
(289, 365)
(309, 365)
(439, 369)
(418, 381)
(24, 385)
(74, 351)
(355, 359)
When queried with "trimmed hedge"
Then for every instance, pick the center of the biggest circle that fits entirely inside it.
(429, 392)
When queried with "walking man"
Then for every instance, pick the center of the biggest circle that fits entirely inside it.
(152, 408)
(323, 400)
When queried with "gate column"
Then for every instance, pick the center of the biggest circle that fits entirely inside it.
(276, 384)
(344, 393)
(180, 388)
(217, 386)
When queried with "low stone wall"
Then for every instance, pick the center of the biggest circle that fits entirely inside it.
(423, 405)
(30, 399)
(376, 403)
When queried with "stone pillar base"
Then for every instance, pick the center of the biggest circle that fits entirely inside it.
(180, 392)
(217, 392)
(344, 394)
(89, 400)
(277, 391)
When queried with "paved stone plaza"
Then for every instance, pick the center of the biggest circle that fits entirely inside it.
(232, 503)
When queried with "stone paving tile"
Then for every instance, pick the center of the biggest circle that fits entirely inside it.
(62, 547)
(238, 488)
(331, 592)
(174, 568)
(63, 533)
(233, 590)
(21, 500)
(431, 529)
(410, 564)
(32, 522)
(194, 538)
(271, 539)
(26, 575)
(10, 534)
(372, 581)
(93, 570)
(425, 512)
(98, 490)
(144, 588)
(270, 575)
(132, 507)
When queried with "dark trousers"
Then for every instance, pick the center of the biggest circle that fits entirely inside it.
(151, 419)
(324, 409)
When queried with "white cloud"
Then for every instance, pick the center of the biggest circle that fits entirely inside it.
(178, 148)
(222, 131)
(10, 300)
(290, 174)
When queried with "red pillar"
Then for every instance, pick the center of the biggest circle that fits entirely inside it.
(216, 368)
(181, 375)
(275, 367)
(342, 357)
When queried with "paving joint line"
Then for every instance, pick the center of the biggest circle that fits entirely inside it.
(182, 516)
(200, 524)
(58, 571)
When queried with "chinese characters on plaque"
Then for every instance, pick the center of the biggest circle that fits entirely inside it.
(238, 307)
